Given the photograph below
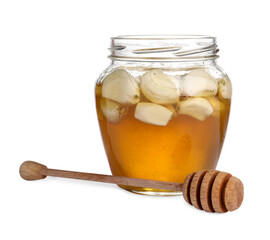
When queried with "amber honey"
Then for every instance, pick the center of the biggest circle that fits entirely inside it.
(166, 153)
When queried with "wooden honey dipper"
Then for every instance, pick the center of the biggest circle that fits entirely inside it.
(209, 190)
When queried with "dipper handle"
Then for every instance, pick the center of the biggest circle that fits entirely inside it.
(209, 190)
(30, 170)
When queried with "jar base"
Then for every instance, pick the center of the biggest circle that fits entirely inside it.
(150, 191)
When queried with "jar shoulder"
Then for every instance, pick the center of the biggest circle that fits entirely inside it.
(138, 70)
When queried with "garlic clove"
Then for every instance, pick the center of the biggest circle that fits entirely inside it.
(121, 87)
(198, 83)
(198, 108)
(159, 87)
(152, 113)
(112, 111)
(225, 88)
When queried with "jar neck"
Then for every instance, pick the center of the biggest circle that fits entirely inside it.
(164, 64)
(184, 49)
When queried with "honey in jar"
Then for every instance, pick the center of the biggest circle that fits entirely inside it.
(162, 119)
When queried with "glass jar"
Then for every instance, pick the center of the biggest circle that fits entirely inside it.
(163, 107)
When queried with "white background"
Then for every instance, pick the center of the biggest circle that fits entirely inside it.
(51, 53)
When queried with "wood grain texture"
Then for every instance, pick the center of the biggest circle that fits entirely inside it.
(218, 192)
(234, 194)
(136, 182)
(30, 171)
(195, 189)
(186, 187)
(206, 190)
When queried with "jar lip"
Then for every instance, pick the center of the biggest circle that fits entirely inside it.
(163, 37)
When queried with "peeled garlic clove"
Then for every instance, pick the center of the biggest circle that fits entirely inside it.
(121, 87)
(159, 87)
(225, 88)
(112, 111)
(198, 108)
(218, 106)
(153, 113)
(199, 83)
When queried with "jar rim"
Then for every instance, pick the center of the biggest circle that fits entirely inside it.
(163, 37)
